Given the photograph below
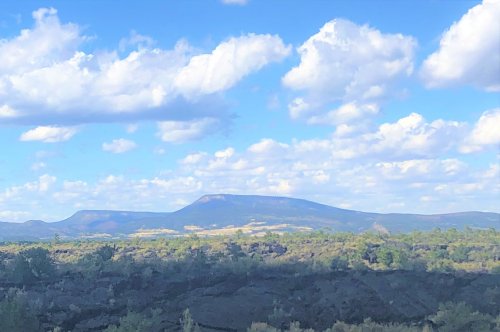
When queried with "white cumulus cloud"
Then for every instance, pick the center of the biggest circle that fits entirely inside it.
(7, 112)
(49, 76)
(469, 51)
(49, 134)
(120, 145)
(345, 63)
(486, 133)
(346, 113)
(409, 165)
(183, 131)
(230, 62)
(409, 136)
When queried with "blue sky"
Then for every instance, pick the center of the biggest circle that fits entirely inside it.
(385, 106)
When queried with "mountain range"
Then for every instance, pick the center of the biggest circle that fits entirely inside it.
(227, 214)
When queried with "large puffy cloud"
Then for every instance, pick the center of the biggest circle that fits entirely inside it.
(49, 134)
(347, 64)
(229, 62)
(486, 133)
(46, 43)
(409, 136)
(45, 77)
(469, 51)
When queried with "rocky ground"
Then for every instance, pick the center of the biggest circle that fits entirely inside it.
(231, 302)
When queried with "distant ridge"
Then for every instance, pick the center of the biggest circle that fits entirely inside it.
(223, 213)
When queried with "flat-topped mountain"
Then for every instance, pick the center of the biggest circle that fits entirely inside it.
(223, 214)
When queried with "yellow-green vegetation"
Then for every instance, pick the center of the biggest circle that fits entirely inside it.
(254, 229)
(451, 250)
(153, 232)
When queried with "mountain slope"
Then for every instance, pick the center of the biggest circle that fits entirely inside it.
(103, 221)
(220, 212)
(225, 210)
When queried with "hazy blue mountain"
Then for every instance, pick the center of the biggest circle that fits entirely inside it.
(222, 211)
(29, 230)
(225, 210)
(103, 221)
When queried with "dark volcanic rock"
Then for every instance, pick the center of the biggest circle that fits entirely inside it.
(231, 302)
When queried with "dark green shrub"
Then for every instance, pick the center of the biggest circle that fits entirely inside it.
(136, 322)
(339, 264)
(15, 315)
(106, 252)
(32, 265)
(459, 317)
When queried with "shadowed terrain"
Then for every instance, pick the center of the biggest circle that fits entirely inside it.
(226, 283)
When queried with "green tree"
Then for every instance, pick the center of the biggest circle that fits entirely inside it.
(105, 252)
(339, 264)
(15, 315)
(57, 238)
(459, 317)
(460, 254)
(400, 258)
(187, 322)
(279, 316)
(385, 256)
(31, 265)
(136, 322)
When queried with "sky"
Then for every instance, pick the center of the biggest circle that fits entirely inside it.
(380, 106)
